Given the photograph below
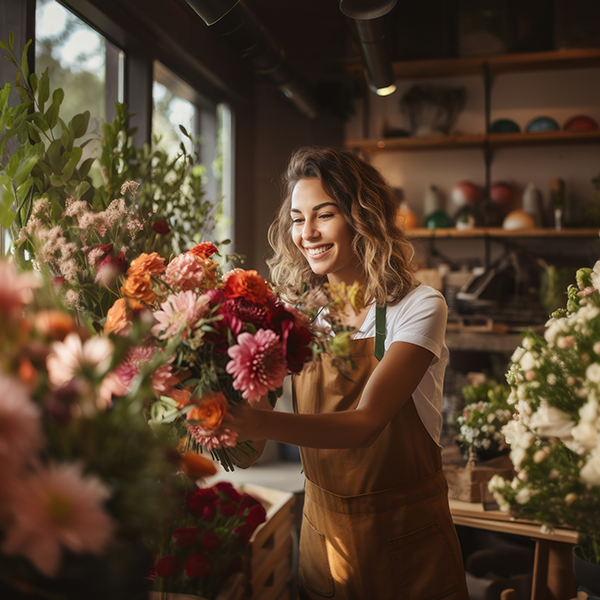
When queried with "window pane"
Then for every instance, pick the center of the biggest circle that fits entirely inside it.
(79, 60)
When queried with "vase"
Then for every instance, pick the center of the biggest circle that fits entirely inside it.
(587, 576)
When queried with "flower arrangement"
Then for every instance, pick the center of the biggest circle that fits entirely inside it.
(82, 484)
(555, 435)
(206, 543)
(228, 338)
(486, 411)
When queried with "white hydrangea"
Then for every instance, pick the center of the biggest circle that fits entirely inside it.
(550, 421)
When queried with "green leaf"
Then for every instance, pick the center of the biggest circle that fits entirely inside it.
(79, 124)
(43, 90)
(24, 63)
(52, 113)
(24, 170)
(85, 167)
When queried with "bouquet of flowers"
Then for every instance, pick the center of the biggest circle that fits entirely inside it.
(486, 411)
(206, 543)
(83, 475)
(555, 436)
(228, 338)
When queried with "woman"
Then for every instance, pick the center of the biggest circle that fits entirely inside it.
(376, 521)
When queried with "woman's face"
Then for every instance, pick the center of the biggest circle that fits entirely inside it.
(322, 234)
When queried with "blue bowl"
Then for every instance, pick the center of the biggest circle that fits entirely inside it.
(504, 126)
(542, 124)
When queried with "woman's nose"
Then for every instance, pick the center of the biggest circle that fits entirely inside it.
(309, 230)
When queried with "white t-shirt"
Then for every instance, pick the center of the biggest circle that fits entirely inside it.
(420, 319)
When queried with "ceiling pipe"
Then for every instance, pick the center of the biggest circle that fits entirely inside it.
(236, 23)
(368, 18)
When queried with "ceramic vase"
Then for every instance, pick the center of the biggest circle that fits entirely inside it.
(587, 576)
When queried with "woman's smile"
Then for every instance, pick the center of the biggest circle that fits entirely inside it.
(322, 234)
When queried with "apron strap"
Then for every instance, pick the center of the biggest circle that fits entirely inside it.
(379, 332)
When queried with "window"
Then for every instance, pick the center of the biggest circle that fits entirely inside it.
(80, 61)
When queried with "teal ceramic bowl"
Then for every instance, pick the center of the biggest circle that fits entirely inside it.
(504, 126)
(437, 219)
(542, 124)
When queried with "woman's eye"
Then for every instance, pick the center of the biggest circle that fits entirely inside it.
(296, 221)
(325, 215)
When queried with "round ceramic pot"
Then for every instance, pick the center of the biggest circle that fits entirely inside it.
(587, 576)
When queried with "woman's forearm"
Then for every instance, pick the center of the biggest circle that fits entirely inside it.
(348, 429)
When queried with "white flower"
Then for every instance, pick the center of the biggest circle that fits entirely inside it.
(590, 472)
(517, 455)
(517, 354)
(524, 495)
(595, 275)
(527, 361)
(592, 373)
(550, 421)
(551, 379)
(596, 347)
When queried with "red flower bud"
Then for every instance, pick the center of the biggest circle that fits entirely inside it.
(247, 502)
(210, 541)
(243, 533)
(209, 512)
(161, 227)
(197, 501)
(167, 565)
(185, 536)
(228, 489)
(197, 565)
(228, 509)
(256, 515)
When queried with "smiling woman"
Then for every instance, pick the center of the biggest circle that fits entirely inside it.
(376, 520)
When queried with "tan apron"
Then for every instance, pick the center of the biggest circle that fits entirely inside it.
(376, 522)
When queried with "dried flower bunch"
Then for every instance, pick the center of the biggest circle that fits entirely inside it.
(555, 436)
(486, 411)
(206, 543)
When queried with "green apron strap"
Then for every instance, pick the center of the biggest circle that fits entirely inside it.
(379, 332)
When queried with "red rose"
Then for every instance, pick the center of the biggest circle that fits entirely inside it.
(220, 339)
(197, 565)
(228, 509)
(256, 515)
(197, 501)
(161, 227)
(247, 502)
(228, 489)
(209, 512)
(210, 541)
(243, 533)
(185, 536)
(167, 565)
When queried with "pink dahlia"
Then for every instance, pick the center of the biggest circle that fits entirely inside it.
(129, 369)
(20, 427)
(55, 507)
(185, 272)
(258, 364)
(180, 314)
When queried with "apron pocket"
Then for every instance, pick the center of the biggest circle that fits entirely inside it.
(313, 571)
(424, 564)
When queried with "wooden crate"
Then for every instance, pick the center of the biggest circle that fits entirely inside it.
(234, 589)
(469, 482)
(267, 564)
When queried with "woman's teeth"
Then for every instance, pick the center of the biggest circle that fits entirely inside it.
(319, 250)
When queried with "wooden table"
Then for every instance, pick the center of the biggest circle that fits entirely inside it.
(553, 577)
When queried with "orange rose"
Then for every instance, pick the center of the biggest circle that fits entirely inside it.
(210, 410)
(117, 318)
(248, 285)
(182, 397)
(27, 372)
(196, 466)
(139, 287)
(204, 249)
(54, 324)
(151, 264)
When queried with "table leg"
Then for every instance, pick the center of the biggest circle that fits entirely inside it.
(540, 571)
(553, 577)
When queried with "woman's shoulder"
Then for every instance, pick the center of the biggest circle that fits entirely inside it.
(421, 294)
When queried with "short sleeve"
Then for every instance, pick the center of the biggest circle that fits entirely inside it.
(419, 319)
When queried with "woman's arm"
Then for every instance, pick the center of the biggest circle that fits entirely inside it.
(391, 384)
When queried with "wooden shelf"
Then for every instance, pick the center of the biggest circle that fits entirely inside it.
(457, 142)
(499, 232)
(503, 63)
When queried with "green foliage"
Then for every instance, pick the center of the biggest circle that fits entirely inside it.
(54, 160)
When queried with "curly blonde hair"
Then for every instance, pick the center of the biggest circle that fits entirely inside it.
(369, 206)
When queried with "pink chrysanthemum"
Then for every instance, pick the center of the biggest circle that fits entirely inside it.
(72, 356)
(211, 441)
(16, 289)
(185, 272)
(129, 369)
(57, 507)
(179, 314)
(258, 364)
(20, 427)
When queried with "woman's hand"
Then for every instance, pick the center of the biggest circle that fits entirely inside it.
(244, 420)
